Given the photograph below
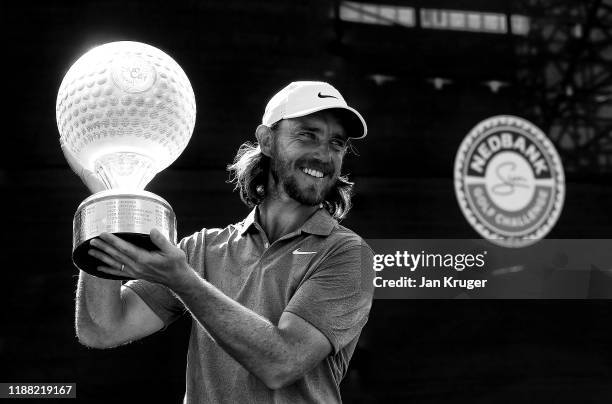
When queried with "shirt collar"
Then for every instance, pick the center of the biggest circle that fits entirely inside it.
(320, 223)
(249, 221)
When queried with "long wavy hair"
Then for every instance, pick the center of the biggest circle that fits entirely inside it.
(249, 173)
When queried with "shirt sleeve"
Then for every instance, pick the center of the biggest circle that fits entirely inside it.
(337, 297)
(158, 297)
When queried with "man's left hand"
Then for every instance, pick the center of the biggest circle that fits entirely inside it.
(166, 266)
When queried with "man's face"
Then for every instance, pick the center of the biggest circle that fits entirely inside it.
(307, 154)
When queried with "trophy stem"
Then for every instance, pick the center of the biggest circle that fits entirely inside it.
(125, 170)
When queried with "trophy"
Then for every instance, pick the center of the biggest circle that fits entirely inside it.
(125, 111)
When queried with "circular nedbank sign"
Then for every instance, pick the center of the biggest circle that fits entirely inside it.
(509, 181)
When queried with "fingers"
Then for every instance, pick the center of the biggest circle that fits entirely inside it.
(139, 263)
(107, 259)
(113, 266)
(161, 241)
(110, 255)
(115, 272)
(124, 251)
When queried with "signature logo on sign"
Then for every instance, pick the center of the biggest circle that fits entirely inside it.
(508, 180)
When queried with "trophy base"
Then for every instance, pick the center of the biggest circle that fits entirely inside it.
(128, 215)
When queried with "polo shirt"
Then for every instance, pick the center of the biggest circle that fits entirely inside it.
(322, 272)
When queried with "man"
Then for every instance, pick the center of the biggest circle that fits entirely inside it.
(278, 301)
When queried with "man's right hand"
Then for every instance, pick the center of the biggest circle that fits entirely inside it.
(89, 178)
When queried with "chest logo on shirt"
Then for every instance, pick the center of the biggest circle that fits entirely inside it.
(298, 252)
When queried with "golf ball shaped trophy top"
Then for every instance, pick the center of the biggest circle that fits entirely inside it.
(125, 111)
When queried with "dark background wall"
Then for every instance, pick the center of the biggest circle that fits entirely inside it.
(237, 54)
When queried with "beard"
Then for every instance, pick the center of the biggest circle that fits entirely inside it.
(285, 175)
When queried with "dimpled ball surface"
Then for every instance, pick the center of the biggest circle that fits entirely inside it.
(125, 97)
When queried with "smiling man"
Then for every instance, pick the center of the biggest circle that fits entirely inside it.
(278, 300)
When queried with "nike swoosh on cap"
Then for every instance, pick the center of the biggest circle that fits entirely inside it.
(325, 96)
(297, 252)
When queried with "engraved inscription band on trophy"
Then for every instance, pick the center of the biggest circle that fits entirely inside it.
(122, 214)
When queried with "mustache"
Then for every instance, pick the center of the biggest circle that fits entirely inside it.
(326, 168)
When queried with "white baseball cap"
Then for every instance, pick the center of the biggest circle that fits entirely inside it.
(306, 97)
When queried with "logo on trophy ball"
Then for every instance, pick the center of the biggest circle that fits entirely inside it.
(509, 181)
(133, 74)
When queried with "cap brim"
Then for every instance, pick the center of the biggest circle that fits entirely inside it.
(357, 128)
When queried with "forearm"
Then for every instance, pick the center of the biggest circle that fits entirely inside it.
(98, 307)
(249, 338)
